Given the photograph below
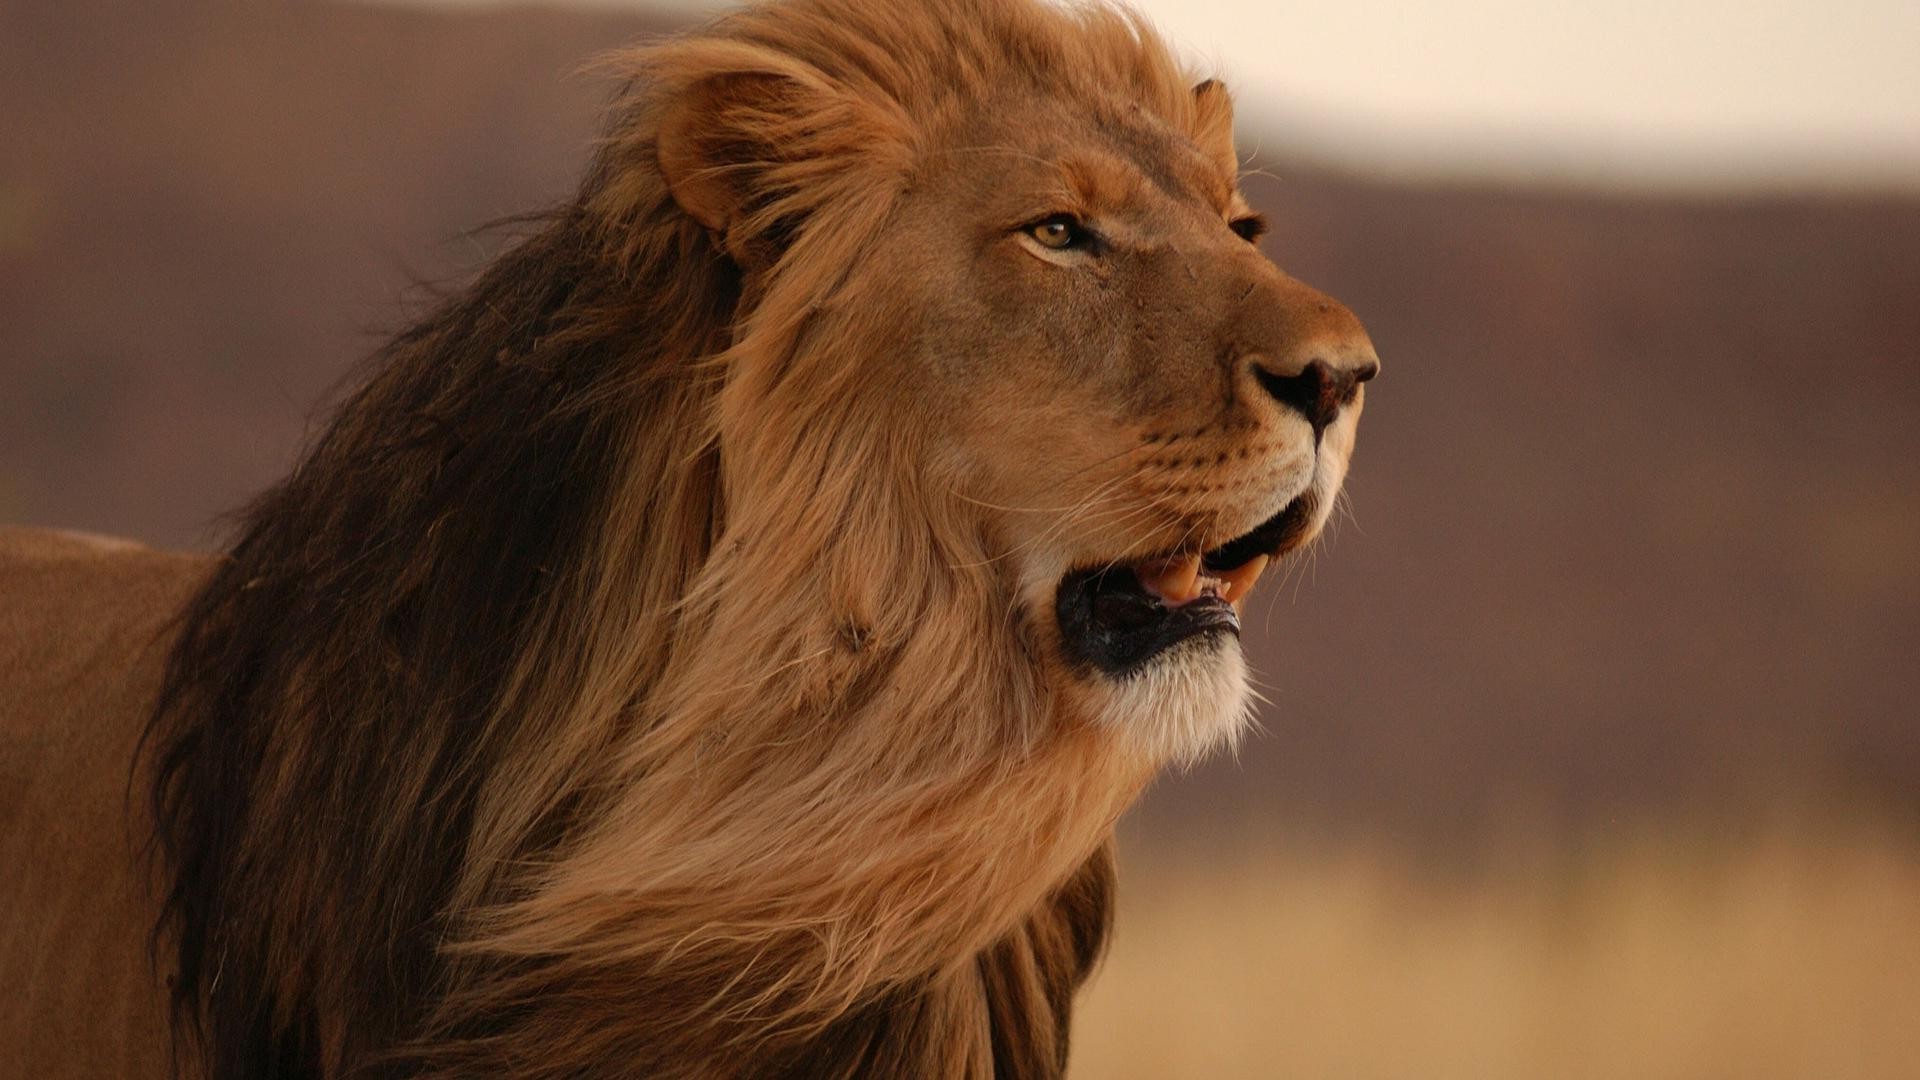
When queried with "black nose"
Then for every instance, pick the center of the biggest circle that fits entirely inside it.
(1319, 391)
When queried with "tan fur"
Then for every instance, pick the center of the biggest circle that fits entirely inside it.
(83, 629)
(653, 670)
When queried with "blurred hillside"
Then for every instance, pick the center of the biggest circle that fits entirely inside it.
(1636, 511)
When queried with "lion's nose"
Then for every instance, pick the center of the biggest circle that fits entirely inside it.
(1318, 391)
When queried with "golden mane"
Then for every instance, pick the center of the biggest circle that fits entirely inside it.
(601, 695)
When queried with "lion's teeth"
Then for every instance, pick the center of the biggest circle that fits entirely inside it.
(1182, 578)
(1239, 581)
(1175, 581)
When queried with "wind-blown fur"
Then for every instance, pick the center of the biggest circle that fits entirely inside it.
(606, 692)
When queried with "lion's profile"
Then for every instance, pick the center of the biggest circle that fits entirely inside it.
(721, 640)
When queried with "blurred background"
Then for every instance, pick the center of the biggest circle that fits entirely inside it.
(1591, 748)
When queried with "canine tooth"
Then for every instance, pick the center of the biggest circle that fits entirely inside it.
(1174, 580)
(1240, 581)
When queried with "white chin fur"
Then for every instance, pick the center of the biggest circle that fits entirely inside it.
(1185, 702)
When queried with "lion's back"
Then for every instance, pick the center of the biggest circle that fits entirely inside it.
(84, 626)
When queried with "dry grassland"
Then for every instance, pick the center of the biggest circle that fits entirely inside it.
(1644, 957)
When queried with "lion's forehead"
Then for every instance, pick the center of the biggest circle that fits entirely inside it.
(1113, 155)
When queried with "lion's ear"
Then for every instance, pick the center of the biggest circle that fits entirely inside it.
(751, 144)
(729, 147)
(709, 154)
(1213, 124)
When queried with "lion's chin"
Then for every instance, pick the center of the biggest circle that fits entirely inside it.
(1154, 642)
(1192, 699)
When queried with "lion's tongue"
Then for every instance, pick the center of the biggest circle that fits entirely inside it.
(1182, 579)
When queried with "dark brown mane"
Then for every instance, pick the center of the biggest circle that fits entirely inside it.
(435, 532)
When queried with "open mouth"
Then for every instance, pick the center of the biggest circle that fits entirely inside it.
(1118, 618)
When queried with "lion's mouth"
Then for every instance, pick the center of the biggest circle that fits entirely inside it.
(1120, 617)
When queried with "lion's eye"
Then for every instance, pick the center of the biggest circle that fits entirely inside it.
(1249, 228)
(1061, 232)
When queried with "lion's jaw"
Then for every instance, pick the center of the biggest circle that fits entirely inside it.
(1194, 694)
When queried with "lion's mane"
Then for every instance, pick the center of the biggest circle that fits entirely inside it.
(601, 694)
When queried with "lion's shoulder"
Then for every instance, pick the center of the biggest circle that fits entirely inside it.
(84, 623)
(67, 595)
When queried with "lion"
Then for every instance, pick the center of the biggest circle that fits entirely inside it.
(721, 640)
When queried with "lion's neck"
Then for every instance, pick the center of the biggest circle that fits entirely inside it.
(809, 795)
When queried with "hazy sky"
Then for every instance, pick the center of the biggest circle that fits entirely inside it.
(1749, 92)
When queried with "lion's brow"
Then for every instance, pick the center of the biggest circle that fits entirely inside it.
(1101, 179)
(1107, 178)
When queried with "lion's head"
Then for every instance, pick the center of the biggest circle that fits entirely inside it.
(1048, 320)
(756, 596)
